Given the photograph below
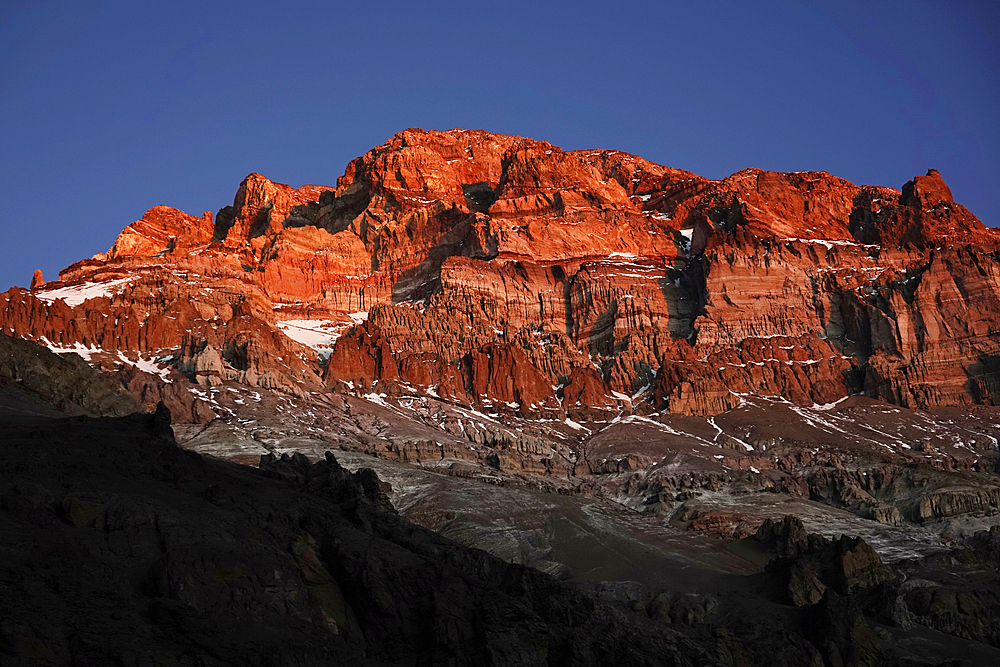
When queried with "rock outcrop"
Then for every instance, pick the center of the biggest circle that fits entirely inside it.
(812, 564)
(163, 230)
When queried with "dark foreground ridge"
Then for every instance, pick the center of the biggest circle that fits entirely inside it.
(121, 548)
(33, 381)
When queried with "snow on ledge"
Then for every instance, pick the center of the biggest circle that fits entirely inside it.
(829, 406)
(320, 335)
(147, 366)
(77, 294)
(79, 348)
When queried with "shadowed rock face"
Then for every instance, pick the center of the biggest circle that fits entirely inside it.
(33, 380)
(121, 547)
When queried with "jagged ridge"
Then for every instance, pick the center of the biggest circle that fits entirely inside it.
(504, 271)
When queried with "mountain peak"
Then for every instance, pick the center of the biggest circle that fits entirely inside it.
(464, 248)
(926, 192)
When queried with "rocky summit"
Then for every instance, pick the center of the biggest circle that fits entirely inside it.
(492, 269)
(538, 349)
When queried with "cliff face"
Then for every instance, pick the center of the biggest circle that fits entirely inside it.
(495, 270)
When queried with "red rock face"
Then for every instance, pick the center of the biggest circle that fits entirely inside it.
(496, 270)
(163, 230)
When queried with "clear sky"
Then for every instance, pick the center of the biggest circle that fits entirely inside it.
(110, 108)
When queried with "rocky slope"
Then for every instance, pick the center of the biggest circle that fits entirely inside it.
(124, 548)
(580, 321)
(35, 381)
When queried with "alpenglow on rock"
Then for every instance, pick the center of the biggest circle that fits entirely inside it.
(496, 270)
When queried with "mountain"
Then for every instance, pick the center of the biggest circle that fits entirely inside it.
(496, 268)
(583, 362)
(586, 322)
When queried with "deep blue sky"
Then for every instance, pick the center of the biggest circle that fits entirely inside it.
(110, 108)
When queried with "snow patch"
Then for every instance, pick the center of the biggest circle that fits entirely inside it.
(79, 348)
(829, 406)
(376, 398)
(77, 294)
(146, 366)
(320, 335)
